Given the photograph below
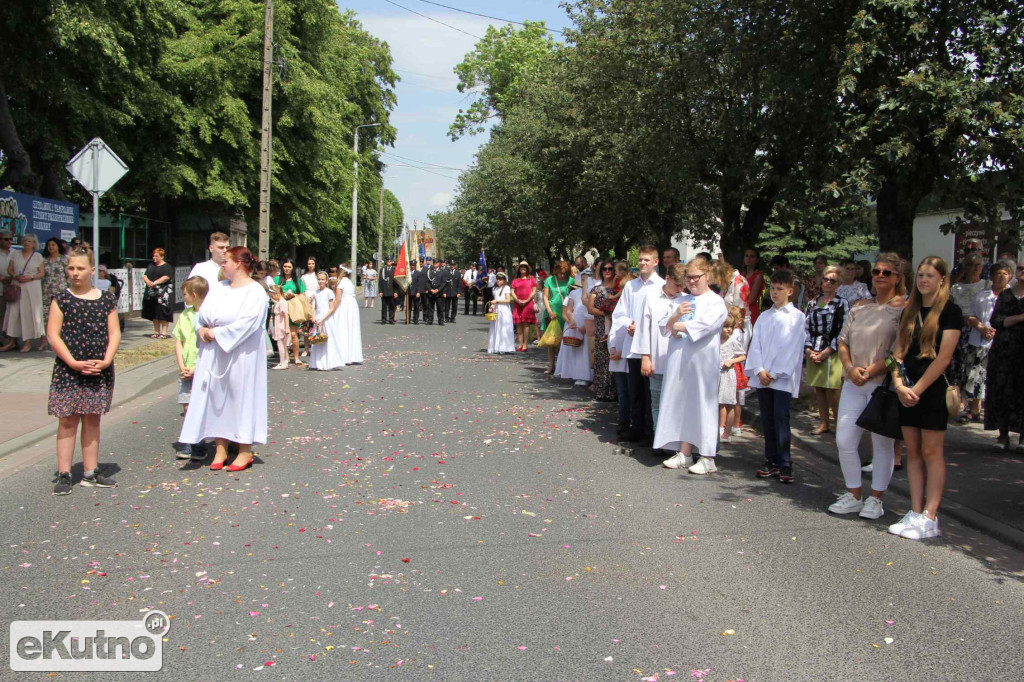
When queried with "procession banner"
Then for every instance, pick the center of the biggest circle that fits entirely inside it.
(23, 214)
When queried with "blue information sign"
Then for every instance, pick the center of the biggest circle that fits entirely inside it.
(25, 214)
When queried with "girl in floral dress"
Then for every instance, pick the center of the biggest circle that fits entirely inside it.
(84, 332)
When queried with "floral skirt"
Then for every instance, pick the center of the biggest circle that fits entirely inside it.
(977, 362)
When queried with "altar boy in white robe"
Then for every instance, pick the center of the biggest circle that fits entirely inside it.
(649, 341)
(688, 415)
(774, 365)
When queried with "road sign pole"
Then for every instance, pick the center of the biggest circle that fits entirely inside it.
(95, 210)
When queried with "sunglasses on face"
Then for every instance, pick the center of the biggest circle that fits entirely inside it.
(884, 273)
(608, 269)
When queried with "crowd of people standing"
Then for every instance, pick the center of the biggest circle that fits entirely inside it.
(681, 346)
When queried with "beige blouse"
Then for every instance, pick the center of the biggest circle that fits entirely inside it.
(870, 333)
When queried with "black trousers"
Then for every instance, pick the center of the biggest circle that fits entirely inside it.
(470, 293)
(453, 307)
(428, 301)
(442, 309)
(488, 295)
(387, 308)
(640, 416)
(414, 308)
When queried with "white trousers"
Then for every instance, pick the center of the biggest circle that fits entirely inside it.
(852, 402)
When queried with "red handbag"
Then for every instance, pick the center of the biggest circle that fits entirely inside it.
(742, 383)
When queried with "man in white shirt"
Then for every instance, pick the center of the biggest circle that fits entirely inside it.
(210, 269)
(469, 279)
(5, 260)
(626, 315)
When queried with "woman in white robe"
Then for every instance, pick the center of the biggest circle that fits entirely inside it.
(346, 326)
(689, 396)
(325, 356)
(574, 361)
(501, 337)
(229, 386)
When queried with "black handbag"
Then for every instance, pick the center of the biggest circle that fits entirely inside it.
(882, 413)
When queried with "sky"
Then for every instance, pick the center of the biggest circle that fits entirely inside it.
(424, 165)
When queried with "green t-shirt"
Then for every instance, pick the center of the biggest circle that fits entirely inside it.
(289, 286)
(185, 331)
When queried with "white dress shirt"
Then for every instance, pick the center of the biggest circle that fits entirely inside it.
(208, 270)
(778, 348)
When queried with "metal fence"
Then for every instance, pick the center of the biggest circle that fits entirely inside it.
(133, 287)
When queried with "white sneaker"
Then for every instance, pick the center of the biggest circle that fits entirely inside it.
(904, 523)
(677, 461)
(920, 528)
(737, 431)
(873, 508)
(706, 465)
(868, 468)
(279, 367)
(580, 383)
(846, 504)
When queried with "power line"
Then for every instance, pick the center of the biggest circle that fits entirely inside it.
(420, 168)
(391, 2)
(487, 16)
(425, 75)
(425, 163)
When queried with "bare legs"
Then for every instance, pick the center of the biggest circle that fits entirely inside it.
(294, 331)
(827, 400)
(551, 361)
(67, 429)
(926, 469)
(727, 419)
(244, 453)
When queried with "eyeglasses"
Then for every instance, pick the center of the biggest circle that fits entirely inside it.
(884, 273)
(693, 278)
(608, 269)
(830, 280)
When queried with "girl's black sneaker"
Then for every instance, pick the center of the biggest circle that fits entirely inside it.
(63, 485)
(98, 480)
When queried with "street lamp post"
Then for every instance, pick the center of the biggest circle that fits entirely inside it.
(355, 197)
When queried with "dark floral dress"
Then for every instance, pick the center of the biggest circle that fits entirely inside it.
(1004, 399)
(84, 332)
(55, 280)
(604, 385)
(156, 301)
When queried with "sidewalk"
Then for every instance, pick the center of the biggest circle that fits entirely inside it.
(984, 489)
(25, 383)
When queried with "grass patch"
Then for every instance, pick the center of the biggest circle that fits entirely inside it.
(130, 357)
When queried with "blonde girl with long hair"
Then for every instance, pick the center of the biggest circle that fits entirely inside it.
(927, 338)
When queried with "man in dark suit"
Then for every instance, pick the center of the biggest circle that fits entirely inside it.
(454, 286)
(415, 289)
(388, 289)
(429, 297)
(443, 287)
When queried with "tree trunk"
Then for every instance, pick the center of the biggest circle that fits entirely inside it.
(897, 202)
(18, 173)
(731, 242)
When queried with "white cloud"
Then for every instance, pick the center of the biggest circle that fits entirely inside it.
(441, 199)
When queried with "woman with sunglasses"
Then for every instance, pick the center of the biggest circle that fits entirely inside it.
(867, 335)
(1004, 399)
(929, 332)
(825, 316)
(602, 300)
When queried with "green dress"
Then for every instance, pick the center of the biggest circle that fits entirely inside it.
(289, 286)
(557, 293)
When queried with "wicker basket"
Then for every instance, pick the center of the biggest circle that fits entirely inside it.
(572, 341)
(315, 336)
(491, 317)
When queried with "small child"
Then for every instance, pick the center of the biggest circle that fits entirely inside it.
(732, 352)
(774, 363)
(84, 332)
(279, 330)
(322, 309)
(186, 352)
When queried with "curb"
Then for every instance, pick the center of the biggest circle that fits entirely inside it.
(50, 430)
(997, 529)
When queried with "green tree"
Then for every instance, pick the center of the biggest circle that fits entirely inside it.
(496, 71)
(931, 101)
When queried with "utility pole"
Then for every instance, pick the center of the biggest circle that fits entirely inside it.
(267, 133)
(355, 196)
(380, 230)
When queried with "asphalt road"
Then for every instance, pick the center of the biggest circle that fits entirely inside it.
(437, 513)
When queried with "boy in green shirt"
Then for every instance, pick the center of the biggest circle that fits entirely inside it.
(194, 290)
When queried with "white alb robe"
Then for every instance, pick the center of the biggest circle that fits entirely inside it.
(346, 324)
(648, 339)
(324, 356)
(689, 394)
(629, 309)
(229, 387)
(501, 335)
(208, 270)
